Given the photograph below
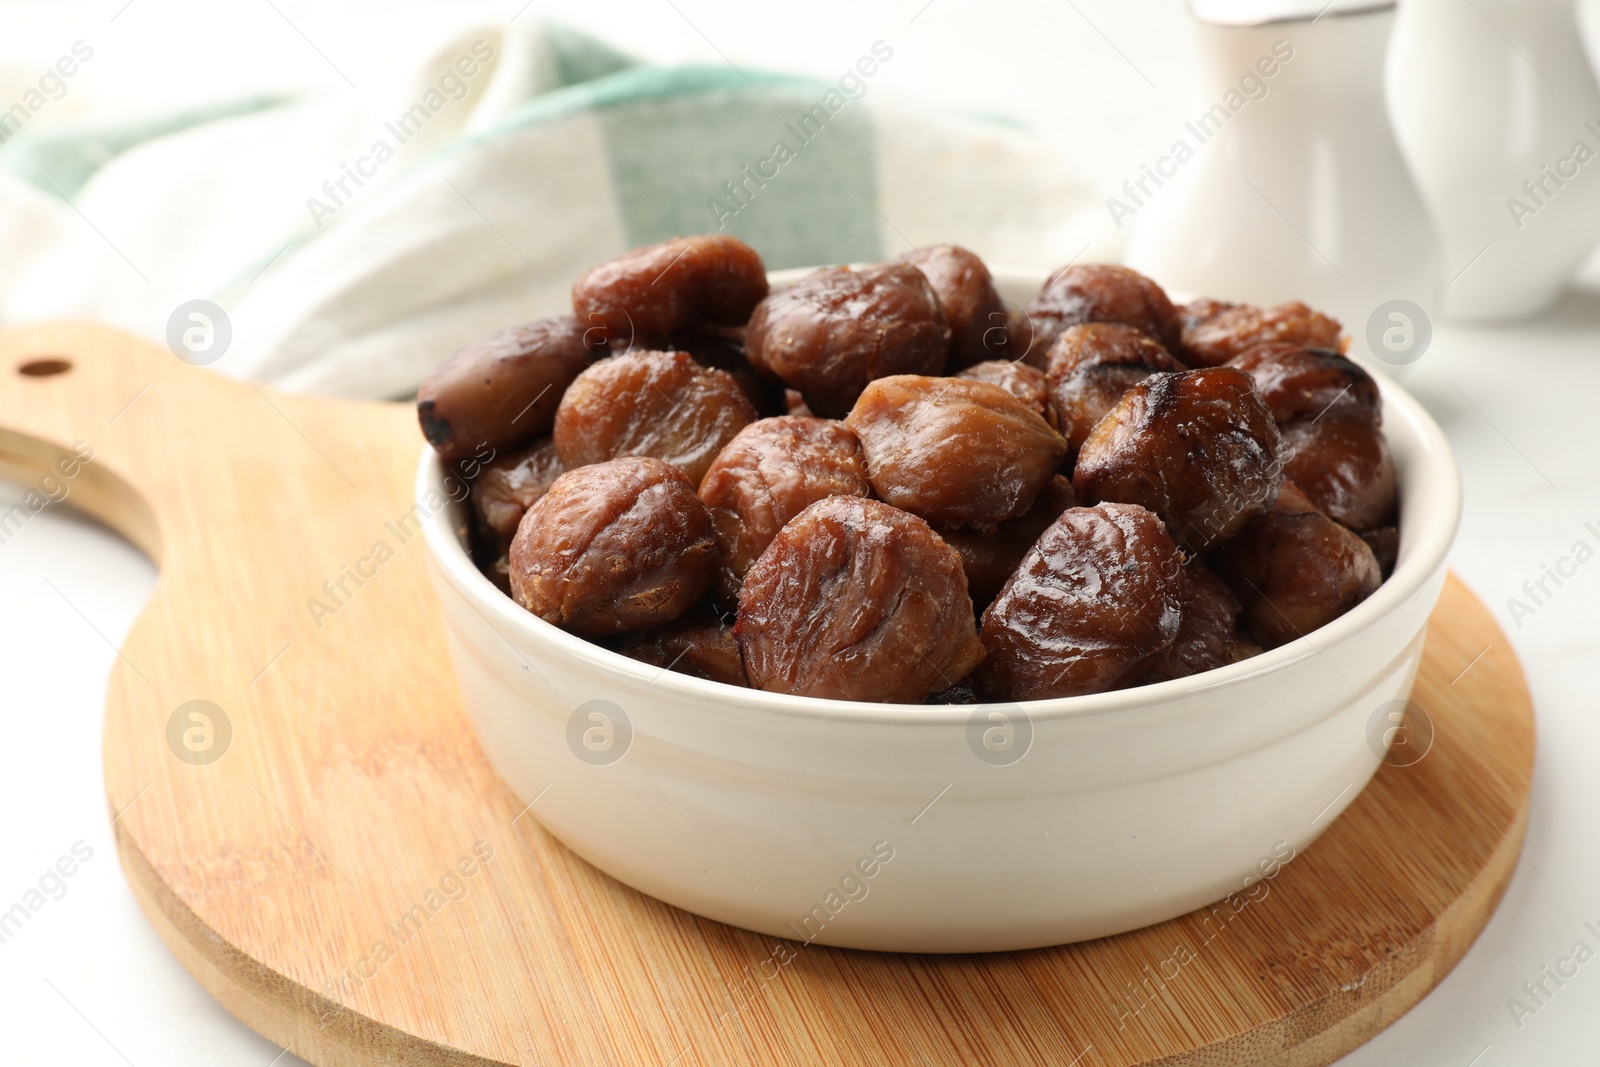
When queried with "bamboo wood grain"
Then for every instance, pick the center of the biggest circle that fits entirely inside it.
(352, 787)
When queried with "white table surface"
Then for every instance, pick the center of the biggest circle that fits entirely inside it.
(88, 982)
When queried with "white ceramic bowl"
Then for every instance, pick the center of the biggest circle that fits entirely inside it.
(946, 829)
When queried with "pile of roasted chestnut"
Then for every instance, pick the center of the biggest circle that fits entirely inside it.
(882, 485)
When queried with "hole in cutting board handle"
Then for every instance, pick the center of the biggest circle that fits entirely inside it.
(45, 367)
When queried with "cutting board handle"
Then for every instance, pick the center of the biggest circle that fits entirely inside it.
(78, 403)
(247, 499)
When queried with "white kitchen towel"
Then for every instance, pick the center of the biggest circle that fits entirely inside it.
(354, 241)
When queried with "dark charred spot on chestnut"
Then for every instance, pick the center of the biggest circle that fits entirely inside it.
(436, 430)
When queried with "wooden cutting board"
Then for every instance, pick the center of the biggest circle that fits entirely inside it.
(304, 845)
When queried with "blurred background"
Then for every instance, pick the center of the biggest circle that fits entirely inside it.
(1014, 127)
(1042, 64)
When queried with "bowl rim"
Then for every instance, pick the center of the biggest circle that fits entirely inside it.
(1426, 543)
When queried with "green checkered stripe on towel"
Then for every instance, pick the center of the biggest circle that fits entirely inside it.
(688, 147)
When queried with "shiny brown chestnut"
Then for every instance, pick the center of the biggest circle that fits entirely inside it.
(856, 600)
(1096, 597)
(661, 404)
(1208, 637)
(1096, 292)
(1213, 332)
(1310, 383)
(1295, 570)
(957, 452)
(498, 392)
(770, 472)
(648, 294)
(509, 485)
(1199, 448)
(614, 546)
(1091, 366)
(972, 306)
(837, 329)
(1344, 467)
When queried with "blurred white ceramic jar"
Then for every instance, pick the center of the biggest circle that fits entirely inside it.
(1286, 183)
(1498, 113)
